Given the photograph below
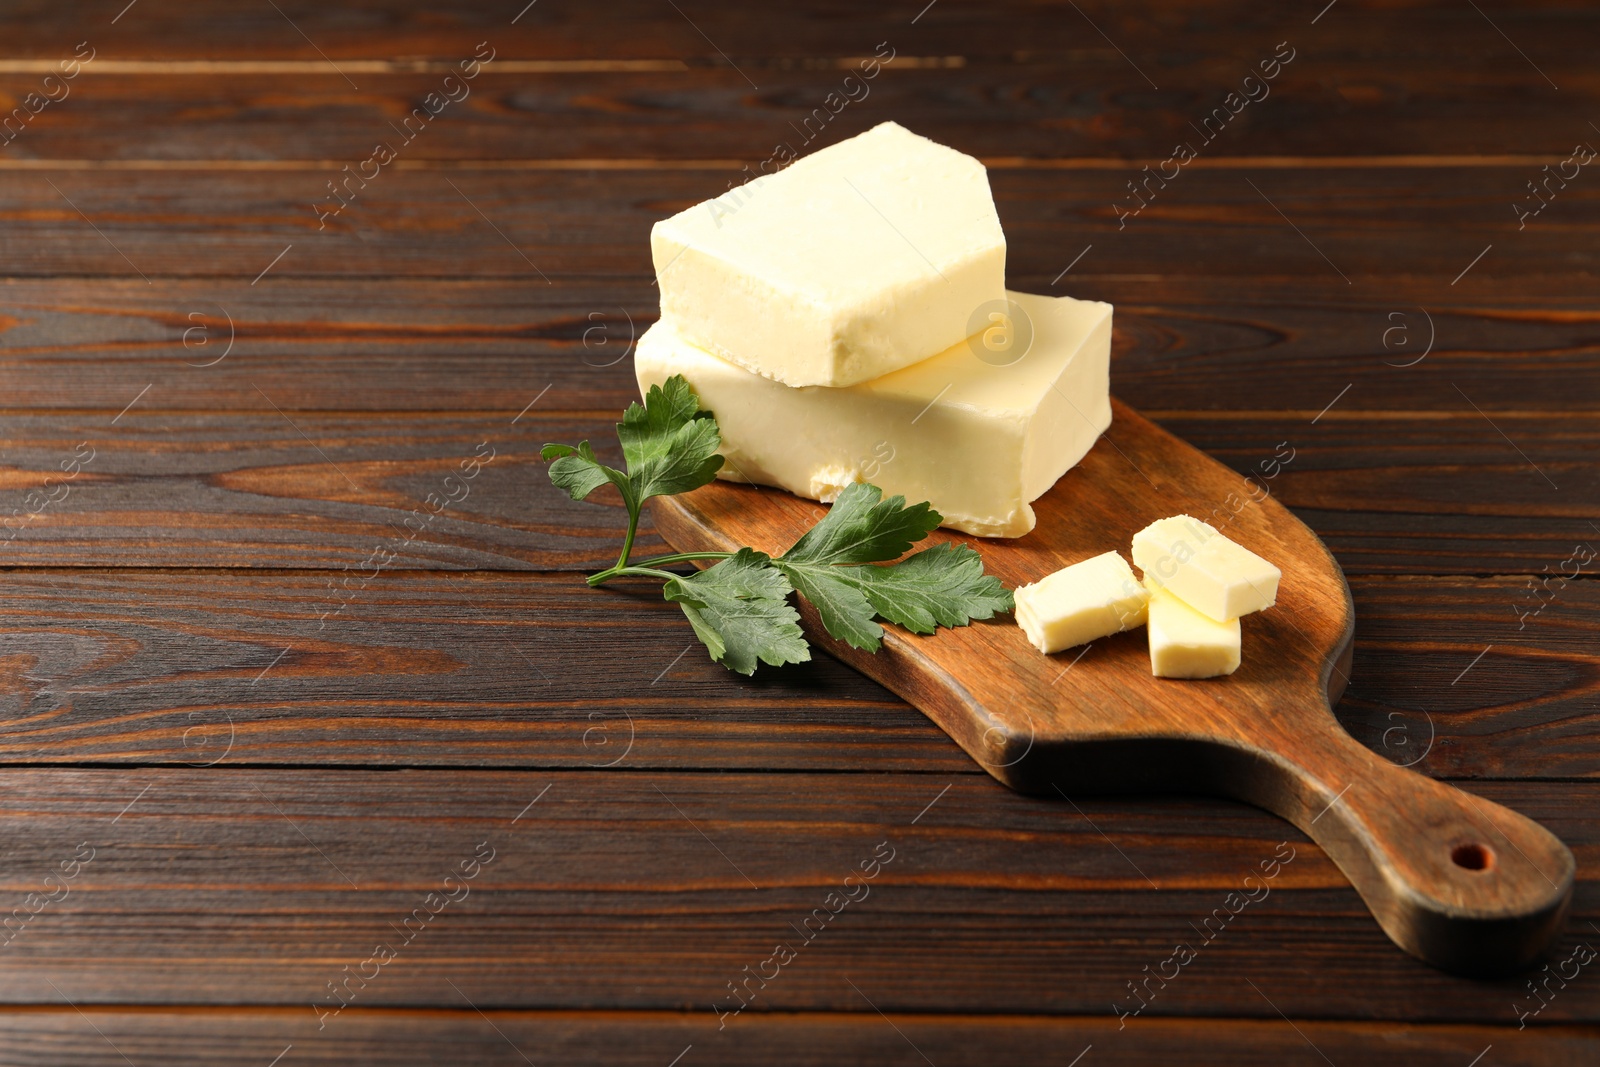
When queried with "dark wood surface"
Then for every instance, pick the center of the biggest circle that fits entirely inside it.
(296, 788)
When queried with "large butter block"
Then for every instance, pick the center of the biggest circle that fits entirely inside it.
(855, 261)
(1081, 603)
(980, 436)
(1187, 644)
(1217, 577)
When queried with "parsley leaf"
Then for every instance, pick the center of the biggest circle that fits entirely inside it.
(861, 527)
(843, 607)
(669, 443)
(942, 586)
(741, 612)
(740, 608)
(577, 471)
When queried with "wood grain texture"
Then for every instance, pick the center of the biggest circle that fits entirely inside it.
(266, 487)
(1418, 674)
(360, 494)
(410, 329)
(414, 669)
(1492, 494)
(410, 1038)
(1008, 112)
(1206, 31)
(538, 670)
(1264, 734)
(454, 345)
(594, 223)
(226, 887)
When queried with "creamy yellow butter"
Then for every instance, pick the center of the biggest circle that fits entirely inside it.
(977, 433)
(1187, 644)
(1217, 577)
(853, 262)
(1081, 603)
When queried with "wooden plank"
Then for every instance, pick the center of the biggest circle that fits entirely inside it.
(259, 887)
(261, 487)
(1076, 110)
(472, 669)
(1449, 660)
(438, 345)
(99, 1037)
(537, 670)
(1553, 31)
(1403, 343)
(347, 345)
(1416, 492)
(1353, 223)
(270, 489)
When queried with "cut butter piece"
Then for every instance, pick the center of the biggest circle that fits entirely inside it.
(1187, 644)
(1078, 604)
(853, 262)
(1217, 577)
(979, 439)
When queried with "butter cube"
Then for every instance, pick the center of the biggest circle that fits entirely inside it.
(1078, 604)
(1215, 576)
(1187, 644)
(978, 436)
(851, 263)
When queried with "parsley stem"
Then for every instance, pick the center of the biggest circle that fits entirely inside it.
(640, 572)
(682, 557)
(627, 542)
(644, 567)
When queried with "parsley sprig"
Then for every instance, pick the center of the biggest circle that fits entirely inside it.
(739, 607)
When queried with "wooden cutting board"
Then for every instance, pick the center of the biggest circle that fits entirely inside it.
(1454, 879)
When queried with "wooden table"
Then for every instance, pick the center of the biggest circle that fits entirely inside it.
(315, 751)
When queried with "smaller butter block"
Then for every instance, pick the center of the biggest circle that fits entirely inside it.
(1078, 604)
(1186, 644)
(855, 261)
(1215, 576)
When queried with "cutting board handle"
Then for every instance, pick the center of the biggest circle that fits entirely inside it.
(1454, 879)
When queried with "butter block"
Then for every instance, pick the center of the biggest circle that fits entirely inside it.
(851, 263)
(1217, 577)
(1187, 644)
(1081, 603)
(978, 439)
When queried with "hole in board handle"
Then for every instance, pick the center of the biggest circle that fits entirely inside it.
(1472, 857)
